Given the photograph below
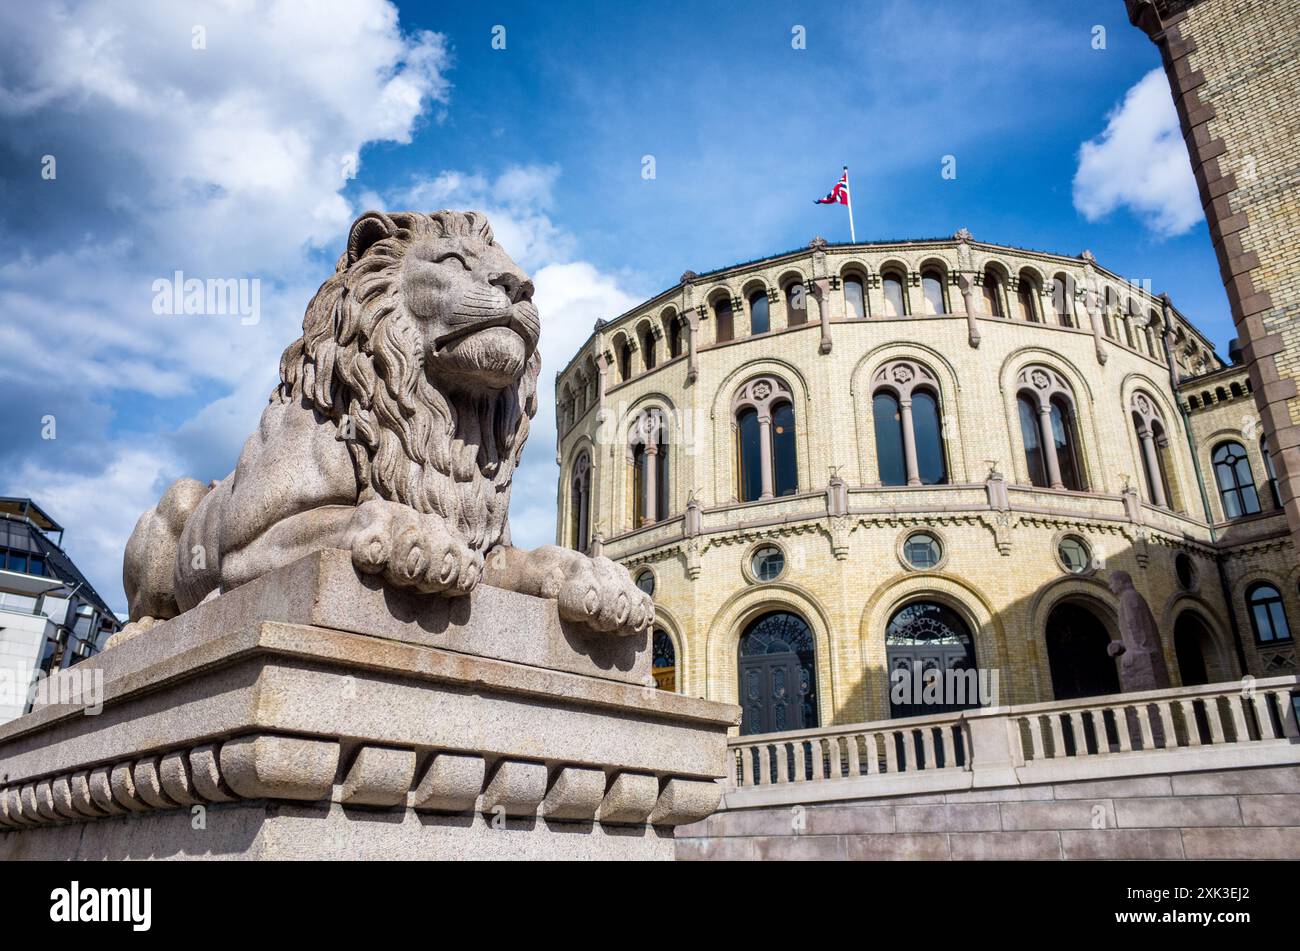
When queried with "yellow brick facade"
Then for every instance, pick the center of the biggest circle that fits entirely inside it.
(844, 570)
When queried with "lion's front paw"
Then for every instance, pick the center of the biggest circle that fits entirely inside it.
(412, 550)
(600, 594)
(132, 630)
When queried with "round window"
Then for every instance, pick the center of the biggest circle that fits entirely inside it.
(922, 550)
(1185, 570)
(646, 582)
(1075, 555)
(767, 563)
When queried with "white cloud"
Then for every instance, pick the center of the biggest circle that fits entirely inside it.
(1140, 161)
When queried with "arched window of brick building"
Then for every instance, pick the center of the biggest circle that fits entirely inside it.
(760, 321)
(1153, 443)
(1049, 430)
(892, 284)
(1235, 481)
(580, 503)
(766, 454)
(908, 425)
(648, 454)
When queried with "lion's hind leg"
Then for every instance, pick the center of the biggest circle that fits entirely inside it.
(150, 560)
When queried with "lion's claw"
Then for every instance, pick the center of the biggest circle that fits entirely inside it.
(412, 550)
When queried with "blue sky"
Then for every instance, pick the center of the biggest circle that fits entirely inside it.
(246, 156)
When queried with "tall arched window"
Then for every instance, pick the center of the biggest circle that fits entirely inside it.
(992, 290)
(759, 320)
(908, 425)
(778, 676)
(648, 454)
(766, 456)
(648, 346)
(1049, 430)
(1236, 483)
(580, 503)
(1267, 615)
(625, 360)
(1063, 300)
(664, 663)
(889, 438)
(895, 297)
(724, 324)
(1272, 474)
(1027, 298)
(855, 306)
(1153, 441)
(796, 304)
(1078, 654)
(932, 291)
(674, 335)
(1031, 435)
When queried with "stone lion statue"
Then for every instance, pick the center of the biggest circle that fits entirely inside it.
(395, 430)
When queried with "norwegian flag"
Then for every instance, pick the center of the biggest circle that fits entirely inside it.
(839, 194)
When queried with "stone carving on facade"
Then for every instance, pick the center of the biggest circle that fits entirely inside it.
(1142, 661)
(400, 417)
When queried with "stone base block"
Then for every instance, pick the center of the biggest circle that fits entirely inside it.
(225, 734)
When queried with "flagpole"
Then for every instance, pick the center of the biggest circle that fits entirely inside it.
(852, 234)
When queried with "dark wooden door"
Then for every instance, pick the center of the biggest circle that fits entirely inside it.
(770, 693)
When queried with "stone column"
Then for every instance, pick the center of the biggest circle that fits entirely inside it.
(765, 450)
(1152, 458)
(692, 358)
(1090, 304)
(584, 513)
(968, 301)
(821, 293)
(1049, 446)
(649, 482)
(909, 442)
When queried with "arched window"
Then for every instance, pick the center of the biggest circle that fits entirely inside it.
(1027, 298)
(855, 306)
(1193, 647)
(648, 346)
(664, 660)
(625, 359)
(1049, 430)
(932, 291)
(759, 320)
(749, 455)
(1267, 615)
(796, 304)
(908, 425)
(993, 293)
(1272, 475)
(1236, 483)
(1153, 441)
(1063, 300)
(889, 438)
(766, 456)
(778, 675)
(580, 503)
(895, 298)
(648, 454)
(674, 335)
(724, 324)
(924, 642)
(1031, 435)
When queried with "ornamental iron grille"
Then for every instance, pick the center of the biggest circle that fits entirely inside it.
(921, 637)
(778, 682)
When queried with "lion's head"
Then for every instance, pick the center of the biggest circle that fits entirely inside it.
(423, 349)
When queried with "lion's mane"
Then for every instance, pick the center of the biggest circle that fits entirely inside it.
(360, 363)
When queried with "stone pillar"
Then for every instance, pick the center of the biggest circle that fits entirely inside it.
(765, 450)
(909, 443)
(821, 292)
(968, 302)
(1152, 459)
(650, 483)
(1049, 446)
(1091, 305)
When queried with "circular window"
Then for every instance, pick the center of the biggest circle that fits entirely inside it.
(646, 582)
(922, 550)
(1185, 570)
(767, 563)
(1075, 554)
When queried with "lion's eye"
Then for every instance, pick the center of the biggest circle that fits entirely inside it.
(452, 255)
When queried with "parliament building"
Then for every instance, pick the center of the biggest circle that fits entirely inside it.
(848, 460)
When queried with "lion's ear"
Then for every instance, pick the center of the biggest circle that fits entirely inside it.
(371, 227)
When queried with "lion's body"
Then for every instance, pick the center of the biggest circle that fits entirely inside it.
(395, 431)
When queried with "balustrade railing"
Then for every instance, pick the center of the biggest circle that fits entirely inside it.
(1214, 715)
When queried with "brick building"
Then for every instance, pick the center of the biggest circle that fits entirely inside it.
(1234, 67)
(847, 460)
